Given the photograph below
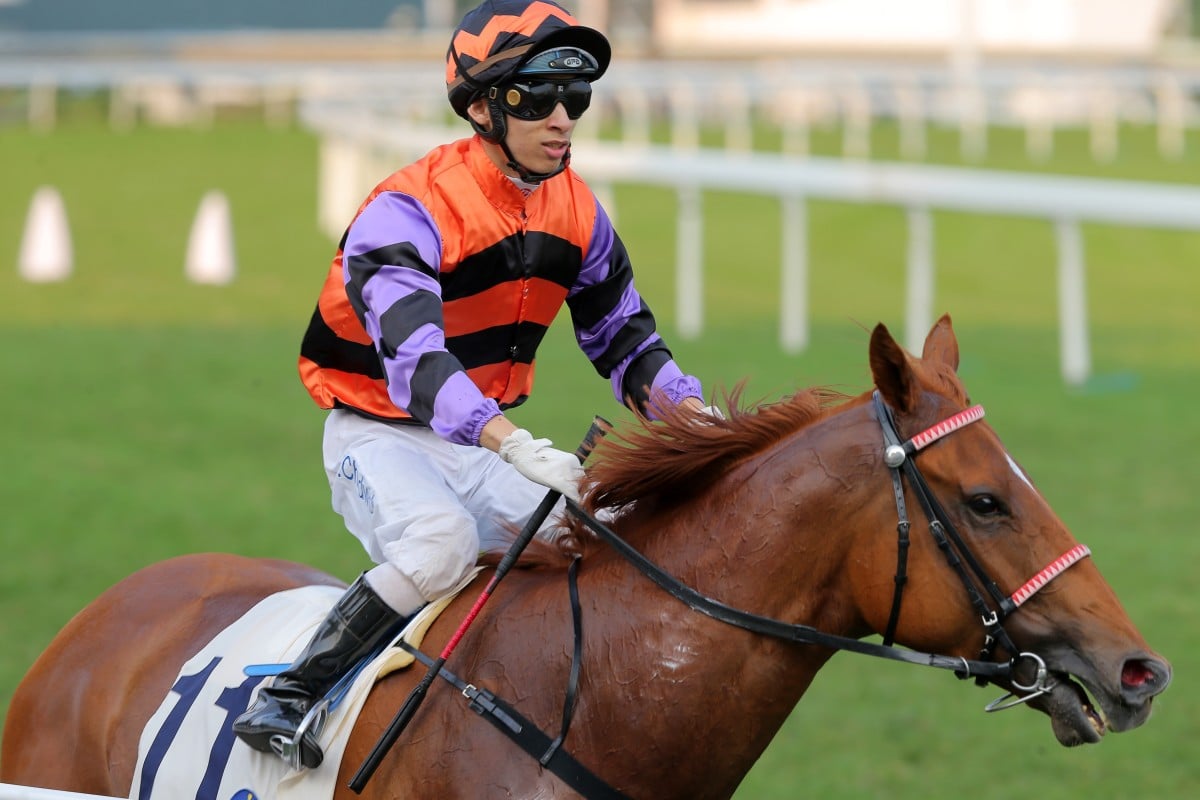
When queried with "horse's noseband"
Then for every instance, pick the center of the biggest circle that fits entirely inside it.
(898, 456)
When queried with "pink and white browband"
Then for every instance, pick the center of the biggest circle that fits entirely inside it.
(1052, 571)
(946, 427)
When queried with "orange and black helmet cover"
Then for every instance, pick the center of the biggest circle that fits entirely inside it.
(497, 37)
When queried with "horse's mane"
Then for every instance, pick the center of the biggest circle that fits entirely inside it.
(655, 462)
(684, 450)
(660, 461)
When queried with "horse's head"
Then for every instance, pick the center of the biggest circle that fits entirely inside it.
(1022, 583)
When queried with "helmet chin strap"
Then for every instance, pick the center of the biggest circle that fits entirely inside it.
(534, 177)
(498, 134)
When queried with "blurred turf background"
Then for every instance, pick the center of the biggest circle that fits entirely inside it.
(143, 417)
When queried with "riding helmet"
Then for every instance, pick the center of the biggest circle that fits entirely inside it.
(499, 38)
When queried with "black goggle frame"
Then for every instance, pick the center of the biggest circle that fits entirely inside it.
(536, 99)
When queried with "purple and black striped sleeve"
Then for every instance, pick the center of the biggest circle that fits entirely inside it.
(616, 329)
(391, 258)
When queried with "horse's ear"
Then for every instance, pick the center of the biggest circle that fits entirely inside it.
(892, 370)
(941, 344)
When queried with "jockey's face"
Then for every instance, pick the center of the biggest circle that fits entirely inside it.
(538, 145)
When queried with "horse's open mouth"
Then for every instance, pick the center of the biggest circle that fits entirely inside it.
(1075, 718)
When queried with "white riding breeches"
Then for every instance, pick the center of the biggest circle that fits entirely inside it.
(424, 505)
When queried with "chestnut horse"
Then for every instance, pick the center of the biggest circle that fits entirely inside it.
(789, 510)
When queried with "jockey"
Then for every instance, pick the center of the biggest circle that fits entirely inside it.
(440, 292)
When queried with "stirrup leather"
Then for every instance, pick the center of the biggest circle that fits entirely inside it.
(290, 749)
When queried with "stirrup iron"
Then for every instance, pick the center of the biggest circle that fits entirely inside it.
(290, 749)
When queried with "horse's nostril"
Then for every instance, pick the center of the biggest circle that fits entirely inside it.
(1135, 673)
(1144, 675)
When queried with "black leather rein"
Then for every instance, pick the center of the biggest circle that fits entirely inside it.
(787, 631)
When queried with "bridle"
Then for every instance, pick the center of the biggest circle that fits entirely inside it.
(899, 456)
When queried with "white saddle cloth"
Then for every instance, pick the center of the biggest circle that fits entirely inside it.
(188, 751)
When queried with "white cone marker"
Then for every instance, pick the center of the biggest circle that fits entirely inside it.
(210, 256)
(46, 254)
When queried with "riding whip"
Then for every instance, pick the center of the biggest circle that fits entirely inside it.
(598, 428)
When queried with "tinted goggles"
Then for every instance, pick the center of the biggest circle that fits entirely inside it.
(537, 99)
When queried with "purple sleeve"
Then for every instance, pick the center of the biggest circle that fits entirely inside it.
(669, 381)
(616, 329)
(392, 256)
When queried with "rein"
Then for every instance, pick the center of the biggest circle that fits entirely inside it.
(778, 629)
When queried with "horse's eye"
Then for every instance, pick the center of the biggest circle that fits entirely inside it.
(984, 505)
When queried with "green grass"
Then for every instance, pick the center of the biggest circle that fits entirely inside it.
(145, 417)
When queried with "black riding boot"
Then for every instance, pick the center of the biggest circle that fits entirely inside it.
(358, 624)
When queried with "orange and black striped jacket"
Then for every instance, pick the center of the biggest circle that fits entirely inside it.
(445, 283)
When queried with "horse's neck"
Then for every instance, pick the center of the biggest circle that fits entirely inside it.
(774, 534)
(772, 538)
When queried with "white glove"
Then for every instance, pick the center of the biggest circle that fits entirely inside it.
(541, 463)
(713, 411)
